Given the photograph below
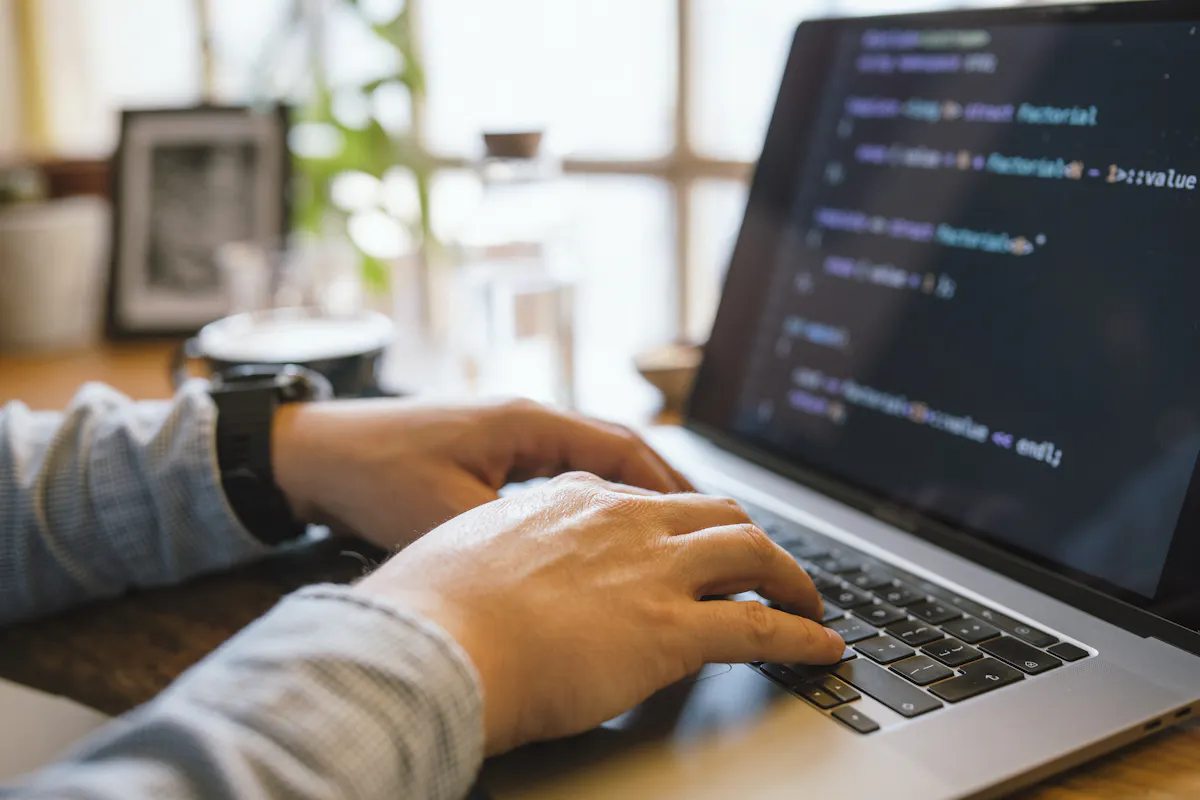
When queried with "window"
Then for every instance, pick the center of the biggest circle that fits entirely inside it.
(659, 106)
(598, 76)
(678, 91)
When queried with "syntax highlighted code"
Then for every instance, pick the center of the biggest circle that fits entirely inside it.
(819, 394)
(859, 222)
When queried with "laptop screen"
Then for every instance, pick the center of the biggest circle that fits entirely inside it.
(968, 282)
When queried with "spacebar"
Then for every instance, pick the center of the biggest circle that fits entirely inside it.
(886, 687)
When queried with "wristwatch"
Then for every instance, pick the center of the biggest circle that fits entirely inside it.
(246, 399)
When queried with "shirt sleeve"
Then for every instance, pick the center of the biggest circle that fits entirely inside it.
(109, 495)
(333, 694)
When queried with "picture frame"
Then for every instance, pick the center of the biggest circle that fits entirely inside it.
(184, 182)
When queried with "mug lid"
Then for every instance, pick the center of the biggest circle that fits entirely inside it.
(293, 335)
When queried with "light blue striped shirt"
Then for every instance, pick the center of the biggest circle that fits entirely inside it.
(332, 694)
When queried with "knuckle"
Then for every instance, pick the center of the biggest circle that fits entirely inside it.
(727, 505)
(760, 624)
(756, 541)
(575, 486)
(577, 478)
(808, 633)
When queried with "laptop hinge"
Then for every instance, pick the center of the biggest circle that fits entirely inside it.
(896, 517)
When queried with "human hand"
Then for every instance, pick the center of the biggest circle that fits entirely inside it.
(389, 471)
(577, 600)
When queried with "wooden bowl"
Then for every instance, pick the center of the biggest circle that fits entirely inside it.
(513, 144)
(671, 370)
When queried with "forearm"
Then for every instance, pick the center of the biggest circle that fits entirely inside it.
(112, 494)
(331, 695)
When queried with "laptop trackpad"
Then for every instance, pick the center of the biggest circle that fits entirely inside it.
(721, 701)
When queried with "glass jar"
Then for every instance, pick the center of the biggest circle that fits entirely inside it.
(513, 330)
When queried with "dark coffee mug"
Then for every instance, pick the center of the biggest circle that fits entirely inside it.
(348, 351)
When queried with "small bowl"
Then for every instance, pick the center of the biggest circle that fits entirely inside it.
(513, 144)
(671, 370)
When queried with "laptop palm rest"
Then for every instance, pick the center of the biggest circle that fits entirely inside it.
(728, 732)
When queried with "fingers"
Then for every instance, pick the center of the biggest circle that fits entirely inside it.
(548, 442)
(676, 513)
(688, 513)
(733, 632)
(629, 434)
(742, 558)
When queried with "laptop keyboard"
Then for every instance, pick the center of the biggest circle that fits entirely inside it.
(911, 644)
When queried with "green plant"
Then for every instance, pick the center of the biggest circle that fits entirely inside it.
(367, 147)
(21, 184)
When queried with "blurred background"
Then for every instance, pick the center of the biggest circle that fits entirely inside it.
(627, 134)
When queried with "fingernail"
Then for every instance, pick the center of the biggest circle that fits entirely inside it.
(834, 638)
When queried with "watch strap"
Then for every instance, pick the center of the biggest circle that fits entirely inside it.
(244, 420)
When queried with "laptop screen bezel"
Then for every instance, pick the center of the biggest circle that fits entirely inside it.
(713, 401)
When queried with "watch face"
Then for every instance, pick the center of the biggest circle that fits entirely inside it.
(294, 383)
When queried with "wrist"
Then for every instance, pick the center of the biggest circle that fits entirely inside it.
(292, 454)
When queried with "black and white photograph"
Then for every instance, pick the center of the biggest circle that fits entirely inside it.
(187, 182)
(202, 197)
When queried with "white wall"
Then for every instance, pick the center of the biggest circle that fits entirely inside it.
(10, 97)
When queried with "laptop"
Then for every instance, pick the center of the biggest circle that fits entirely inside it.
(954, 374)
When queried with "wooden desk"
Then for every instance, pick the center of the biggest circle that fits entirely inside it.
(49, 381)
(117, 654)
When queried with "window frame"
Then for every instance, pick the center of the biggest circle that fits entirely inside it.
(680, 168)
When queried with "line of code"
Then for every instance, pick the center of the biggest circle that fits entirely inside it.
(821, 395)
(943, 111)
(890, 277)
(931, 64)
(859, 222)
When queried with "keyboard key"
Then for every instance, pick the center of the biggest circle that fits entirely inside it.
(1031, 635)
(952, 652)
(914, 632)
(884, 649)
(870, 579)
(782, 674)
(818, 696)
(839, 564)
(971, 631)
(805, 549)
(840, 689)
(832, 612)
(777, 530)
(880, 614)
(807, 673)
(900, 595)
(822, 581)
(922, 670)
(891, 690)
(964, 604)
(1004, 622)
(846, 597)
(977, 678)
(1017, 628)
(852, 630)
(1028, 659)
(934, 611)
(1068, 652)
(855, 719)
